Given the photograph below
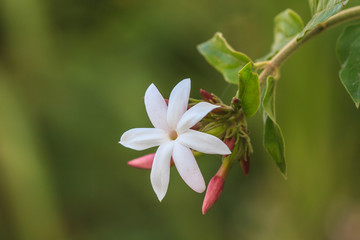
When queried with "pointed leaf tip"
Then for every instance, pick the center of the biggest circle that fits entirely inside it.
(274, 143)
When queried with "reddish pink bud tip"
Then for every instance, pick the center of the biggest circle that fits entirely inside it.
(206, 95)
(144, 162)
(196, 126)
(213, 192)
(245, 166)
(235, 103)
(230, 142)
(219, 111)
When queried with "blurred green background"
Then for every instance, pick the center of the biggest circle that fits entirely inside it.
(72, 78)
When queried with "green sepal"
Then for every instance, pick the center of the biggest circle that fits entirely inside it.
(287, 25)
(223, 57)
(321, 11)
(273, 137)
(249, 90)
(348, 51)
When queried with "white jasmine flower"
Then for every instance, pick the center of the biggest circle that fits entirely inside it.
(174, 137)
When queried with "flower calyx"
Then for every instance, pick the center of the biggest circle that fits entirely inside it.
(229, 124)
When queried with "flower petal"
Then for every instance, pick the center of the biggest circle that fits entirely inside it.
(156, 107)
(188, 168)
(194, 115)
(178, 102)
(143, 138)
(160, 171)
(203, 142)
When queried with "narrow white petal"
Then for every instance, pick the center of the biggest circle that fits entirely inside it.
(194, 115)
(203, 142)
(160, 171)
(188, 168)
(156, 107)
(178, 102)
(143, 138)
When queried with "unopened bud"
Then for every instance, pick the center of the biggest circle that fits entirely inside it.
(230, 142)
(220, 111)
(213, 192)
(235, 103)
(216, 185)
(245, 165)
(197, 126)
(145, 162)
(208, 97)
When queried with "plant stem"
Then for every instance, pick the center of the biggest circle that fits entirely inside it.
(275, 63)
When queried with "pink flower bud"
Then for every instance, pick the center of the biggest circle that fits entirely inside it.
(220, 111)
(235, 101)
(145, 162)
(245, 165)
(206, 95)
(230, 142)
(196, 126)
(213, 192)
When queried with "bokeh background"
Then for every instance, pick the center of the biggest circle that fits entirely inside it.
(72, 78)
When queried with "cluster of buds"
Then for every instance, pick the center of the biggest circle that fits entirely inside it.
(228, 123)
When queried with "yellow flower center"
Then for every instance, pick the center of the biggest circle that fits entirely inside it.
(173, 135)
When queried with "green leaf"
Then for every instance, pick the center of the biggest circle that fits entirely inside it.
(348, 49)
(269, 98)
(287, 25)
(222, 57)
(345, 41)
(249, 90)
(273, 138)
(274, 143)
(322, 10)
